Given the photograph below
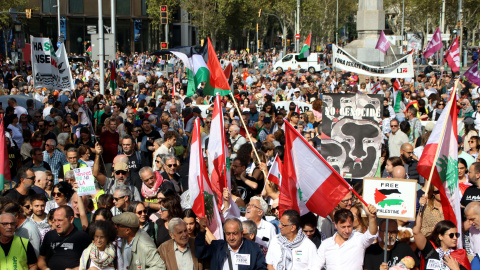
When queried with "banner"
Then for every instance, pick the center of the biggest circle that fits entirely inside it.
(402, 68)
(414, 42)
(472, 73)
(50, 69)
(434, 45)
(63, 28)
(302, 106)
(393, 198)
(85, 181)
(351, 133)
(137, 27)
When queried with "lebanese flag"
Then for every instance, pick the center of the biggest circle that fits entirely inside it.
(452, 56)
(275, 173)
(4, 162)
(309, 183)
(218, 158)
(445, 170)
(376, 87)
(397, 95)
(202, 197)
(305, 52)
(217, 82)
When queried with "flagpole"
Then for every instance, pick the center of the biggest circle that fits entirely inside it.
(248, 133)
(393, 51)
(326, 163)
(442, 135)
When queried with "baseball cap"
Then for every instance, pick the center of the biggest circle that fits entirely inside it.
(127, 219)
(120, 166)
(102, 102)
(429, 126)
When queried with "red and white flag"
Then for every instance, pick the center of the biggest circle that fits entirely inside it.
(434, 45)
(309, 183)
(445, 170)
(375, 88)
(297, 109)
(382, 44)
(452, 56)
(202, 197)
(218, 158)
(275, 173)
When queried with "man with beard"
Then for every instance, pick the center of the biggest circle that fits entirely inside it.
(472, 193)
(396, 250)
(347, 243)
(121, 173)
(73, 163)
(410, 162)
(145, 141)
(26, 179)
(134, 160)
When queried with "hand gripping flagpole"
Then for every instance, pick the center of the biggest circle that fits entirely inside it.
(248, 133)
(442, 135)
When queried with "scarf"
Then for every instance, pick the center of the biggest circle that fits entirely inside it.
(110, 253)
(286, 258)
(442, 254)
(149, 193)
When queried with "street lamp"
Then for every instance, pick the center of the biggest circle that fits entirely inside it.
(58, 20)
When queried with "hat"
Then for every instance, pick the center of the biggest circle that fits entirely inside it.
(102, 102)
(429, 126)
(127, 219)
(120, 166)
(197, 110)
(296, 90)
(468, 120)
(267, 120)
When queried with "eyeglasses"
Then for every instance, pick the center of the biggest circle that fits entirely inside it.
(253, 205)
(157, 161)
(393, 125)
(144, 211)
(118, 198)
(5, 224)
(121, 172)
(451, 235)
(55, 194)
(347, 200)
(284, 225)
(171, 165)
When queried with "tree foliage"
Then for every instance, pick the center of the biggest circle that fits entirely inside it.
(19, 5)
(153, 10)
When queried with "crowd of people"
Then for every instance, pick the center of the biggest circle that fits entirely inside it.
(136, 138)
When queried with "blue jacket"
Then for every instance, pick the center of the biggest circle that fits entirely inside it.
(218, 255)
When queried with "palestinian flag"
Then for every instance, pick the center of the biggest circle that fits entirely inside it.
(397, 95)
(89, 50)
(305, 52)
(217, 82)
(388, 197)
(439, 162)
(196, 68)
(229, 75)
(113, 76)
(4, 162)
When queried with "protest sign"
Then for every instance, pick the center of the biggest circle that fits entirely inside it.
(50, 69)
(85, 181)
(351, 133)
(402, 68)
(393, 198)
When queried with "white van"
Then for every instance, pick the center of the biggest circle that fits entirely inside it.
(313, 63)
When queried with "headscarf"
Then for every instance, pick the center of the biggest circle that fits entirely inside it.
(110, 254)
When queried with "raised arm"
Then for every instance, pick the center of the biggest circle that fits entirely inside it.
(101, 178)
(420, 239)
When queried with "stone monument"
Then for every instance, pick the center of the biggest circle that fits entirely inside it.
(370, 23)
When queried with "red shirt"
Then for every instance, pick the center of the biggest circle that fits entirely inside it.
(110, 142)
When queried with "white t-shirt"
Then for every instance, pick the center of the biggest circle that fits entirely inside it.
(19, 111)
(83, 118)
(304, 257)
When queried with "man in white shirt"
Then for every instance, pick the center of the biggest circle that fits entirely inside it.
(12, 102)
(346, 249)
(472, 212)
(256, 209)
(291, 249)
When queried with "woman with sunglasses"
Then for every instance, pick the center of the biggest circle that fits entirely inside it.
(24, 123)
(473, 142)
(145, 224)
(62, 193)
(439, 249)
(476, 117)
(169, 208)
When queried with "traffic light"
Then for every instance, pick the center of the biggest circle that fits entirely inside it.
(28, 13)
(164, 45)
(164, 14)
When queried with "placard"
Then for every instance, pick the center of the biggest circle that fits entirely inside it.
(85, 181)
(394, 198)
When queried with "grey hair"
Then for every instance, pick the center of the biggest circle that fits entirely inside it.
(473, 206)
(250, 226)
(168, 157)
(174, 222)
(232, 219)
(158, 141)
(125, 191)
(263, 203)
(235, 127)
(70, 174)
(62, 138)
(144, 169)
(52, 142)
(8, 214)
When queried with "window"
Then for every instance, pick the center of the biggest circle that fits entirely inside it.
(300, 60)
(287, 58)
(48, 6)
(144, 8)
(123, 7)
(76, 6)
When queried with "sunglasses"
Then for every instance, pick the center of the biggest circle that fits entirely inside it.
(118, 198)
(55, 194)
(27, 206)
(157, 161)
(121, 172)
(441, 104)
(208, 122)
(393, 125)
(172, 165)
(436, 192)
(66, 126)
(142, 212)
(451, 235)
